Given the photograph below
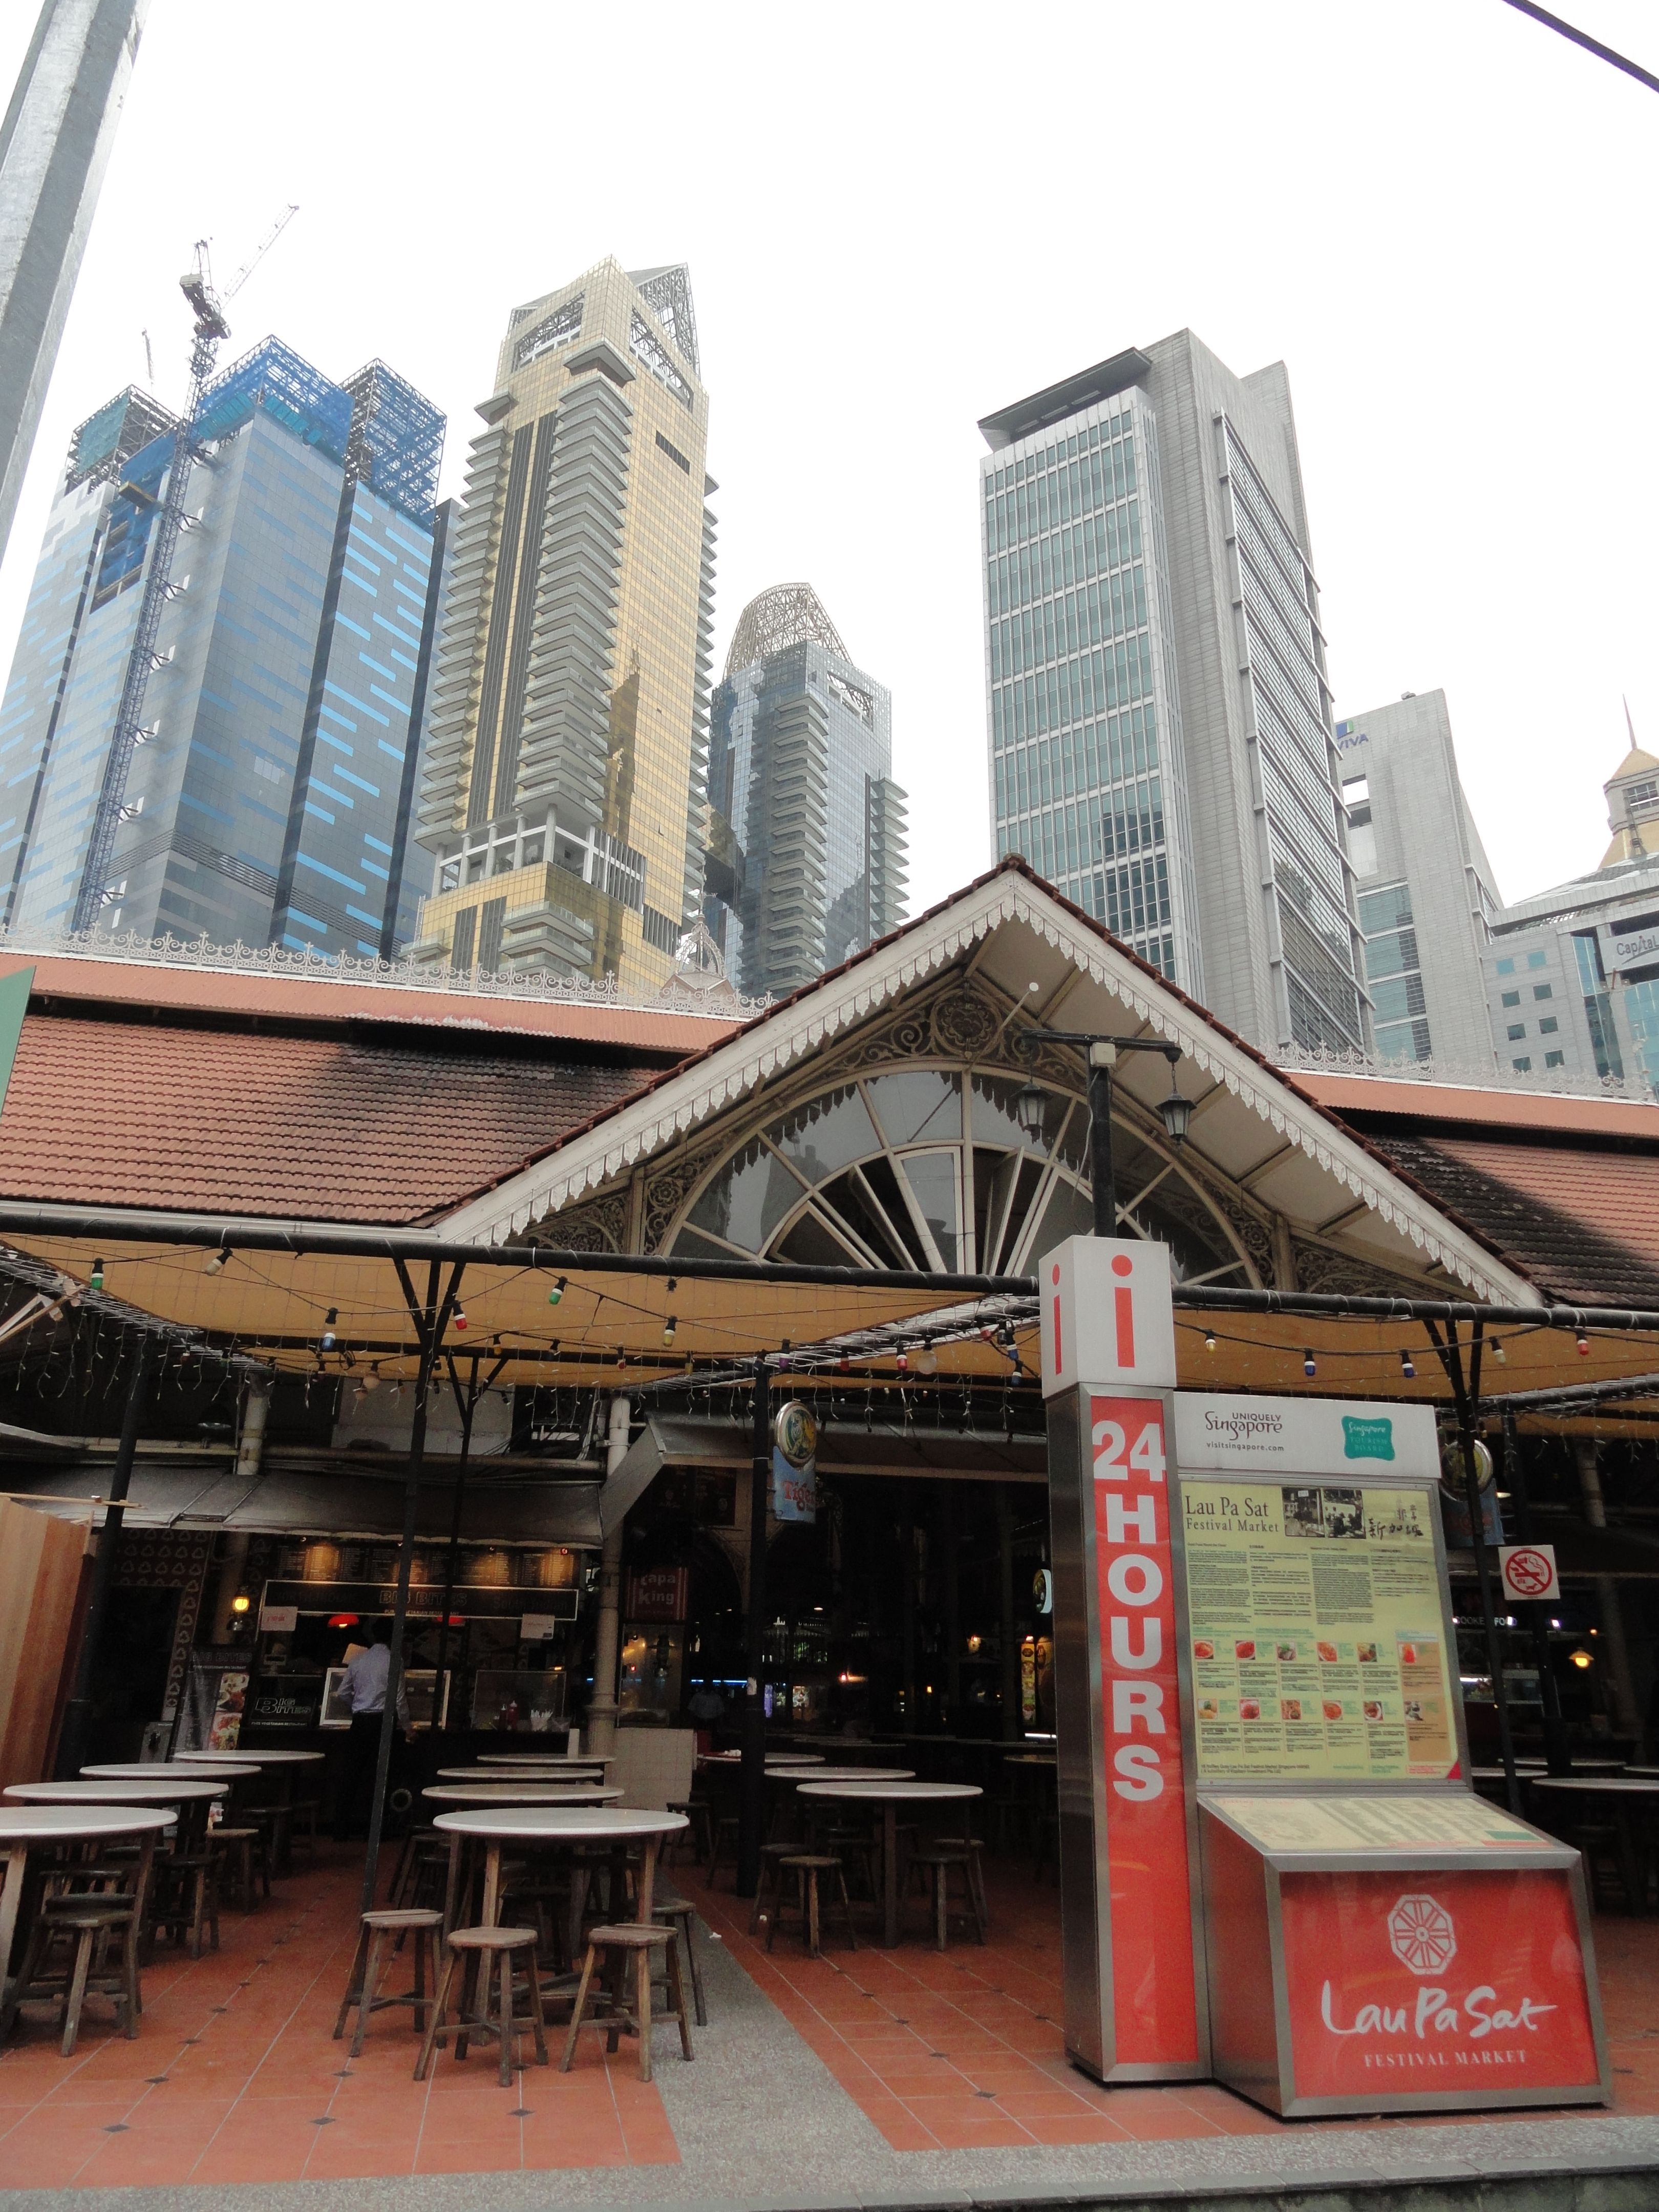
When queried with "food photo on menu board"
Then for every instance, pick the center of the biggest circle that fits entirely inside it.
(1317, 1643)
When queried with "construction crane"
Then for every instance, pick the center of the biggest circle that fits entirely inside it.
(207, 306)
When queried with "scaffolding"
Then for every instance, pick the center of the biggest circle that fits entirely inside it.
(276, 379)
(397, 441)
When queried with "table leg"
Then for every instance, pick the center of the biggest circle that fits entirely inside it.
(11, 1892)
(490, 1916)
(452, 1884)
(890, 1929)
(647, 1880)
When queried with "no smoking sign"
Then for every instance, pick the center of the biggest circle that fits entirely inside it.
(1528, 1571)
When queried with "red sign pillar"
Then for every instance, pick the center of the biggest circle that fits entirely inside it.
(1131, 1953)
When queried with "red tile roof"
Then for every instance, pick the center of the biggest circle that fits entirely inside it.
(1542, 1111)
(346, 1129)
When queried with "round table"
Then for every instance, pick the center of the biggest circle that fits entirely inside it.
(1620, 1788)
(485, 1771)
(546, 1758)
(280, 1764)
(23, 1827)
(166, 1770)
(188, 1796)
(773, 1759)
(551, 1824)
(890, 1795)
(256, 1756)
(522, 1793)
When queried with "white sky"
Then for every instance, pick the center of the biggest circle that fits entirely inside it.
(900, 217)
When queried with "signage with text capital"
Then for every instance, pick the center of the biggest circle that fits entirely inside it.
(1107, 1314)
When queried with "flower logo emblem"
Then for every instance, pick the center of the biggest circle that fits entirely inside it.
(1421, 1935)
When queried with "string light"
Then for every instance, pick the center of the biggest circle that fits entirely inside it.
(557, 1290)
(458, 1321)
(1310, 1366)
(1584, 1345)
(1406, 1368)
(903, 1363)
(1498, 1352)
(217, 1261)
(97, 1274)
(326, 1342)
(1209, 1340)
(668, 1329)
(371, 1381)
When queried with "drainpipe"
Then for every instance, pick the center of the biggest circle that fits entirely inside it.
(1607, 1592)
(602, 1707)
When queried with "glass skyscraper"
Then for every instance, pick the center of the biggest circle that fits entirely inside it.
(263, 803)
(806, 859)
(1161, 743)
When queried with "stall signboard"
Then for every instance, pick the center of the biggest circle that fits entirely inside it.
(658, 1593)
(1317, 1632)
(1305, 1435)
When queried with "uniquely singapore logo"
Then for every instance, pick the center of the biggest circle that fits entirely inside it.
(1423, 1937)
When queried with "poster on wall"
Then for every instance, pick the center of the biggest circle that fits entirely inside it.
(1316, 1633)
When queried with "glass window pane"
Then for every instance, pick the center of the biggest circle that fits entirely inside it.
(828, 1134)
(933, 1179)
(847, 1199)
(810, 1242)
(878, 1175)
(748, 1199)
(996, 1121)
(1068, 1213)
(921, 1103)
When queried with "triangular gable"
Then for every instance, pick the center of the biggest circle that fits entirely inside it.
(1008, 899)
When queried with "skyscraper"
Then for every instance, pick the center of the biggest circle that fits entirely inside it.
(565, 788)
(806, 859)
(1159, 716)
(262, 805)
(1427, 895)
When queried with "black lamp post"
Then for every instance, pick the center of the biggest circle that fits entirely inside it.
(1032, 1105)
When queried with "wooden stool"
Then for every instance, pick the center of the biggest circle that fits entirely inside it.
(974, 1848)
(806, 1867)
(245, 1848)
(937, 1860)
(700, 1818)
(770, 1856)
(88, 1920)
(493, 1948)
(185, 1888)
(379, 1929)
(681, 1915)
(303, 1824)
(621, 1943)
(725, 1834)
(273, 1822)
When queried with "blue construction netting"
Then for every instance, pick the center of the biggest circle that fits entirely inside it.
(273, 376)
(397, 440)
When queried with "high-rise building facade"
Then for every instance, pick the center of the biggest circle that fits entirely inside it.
(565, 795)
(1427, 896)
(282, 710)
(807, 843)
(1572, 974)
(1159, 717)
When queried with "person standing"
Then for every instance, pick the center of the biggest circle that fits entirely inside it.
(365, 1684)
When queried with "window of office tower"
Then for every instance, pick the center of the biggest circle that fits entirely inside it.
(1285, 653)
(1081, 761)
(1392, 975)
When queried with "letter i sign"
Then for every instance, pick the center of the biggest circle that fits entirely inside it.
(1107, 1314)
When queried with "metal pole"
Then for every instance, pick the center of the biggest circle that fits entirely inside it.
(751, 1809)
(1467, 1397)
(1557, 1754)
(1101, 1060)
(431, 1320)
(72, 1738)
(607, 1629)
(466, 1402)
(1013, 1717)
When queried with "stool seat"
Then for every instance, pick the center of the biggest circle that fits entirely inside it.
(496, 1946)
(376, 1930)
(88, 1911)
(806, 1867)
(621, 1941)
(405, 1916)
(489, 1939)
(630, 1936)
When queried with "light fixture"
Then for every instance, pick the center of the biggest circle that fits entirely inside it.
(97, 1274)
(1177, 1111)
(1584, 1345)
(668, 1329)
(217, 1261)
(1031, 1110)
(326, 1342)
(622, 1356)
(242, 1602)
(458, 1321)
(1581, 1658)
(903, 1362)
(1310, 1366)
(1498, 1352)
(1209, 1340)
(371, 1381)
(673, 1285)
(557, 1290)
(1407, 1367)
(928, 1363)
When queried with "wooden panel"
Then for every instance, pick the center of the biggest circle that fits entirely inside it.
(41, 1562)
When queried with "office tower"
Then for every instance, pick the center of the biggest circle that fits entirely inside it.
(1159, 717)
(564, 794)
(1427, 895)
(806, 859)
(261, 806)
(1572, 974)
(54, 146)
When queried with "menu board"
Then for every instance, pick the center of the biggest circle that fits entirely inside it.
(1375, 1824)
(1317, 1636)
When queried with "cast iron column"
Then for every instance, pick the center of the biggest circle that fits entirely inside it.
(751, 1810)
(1100, 1059)
(72, 1738)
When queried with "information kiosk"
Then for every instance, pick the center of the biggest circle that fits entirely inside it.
(1275, 1872)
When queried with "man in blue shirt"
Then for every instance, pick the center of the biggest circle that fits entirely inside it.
(365, 1684)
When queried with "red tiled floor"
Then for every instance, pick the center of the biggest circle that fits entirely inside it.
(254, 2087)
(966, 2048)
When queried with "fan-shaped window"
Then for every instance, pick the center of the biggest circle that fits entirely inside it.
(928, 1167)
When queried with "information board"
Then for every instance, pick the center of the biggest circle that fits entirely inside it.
(1317, 1632)
(1447, 1822)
